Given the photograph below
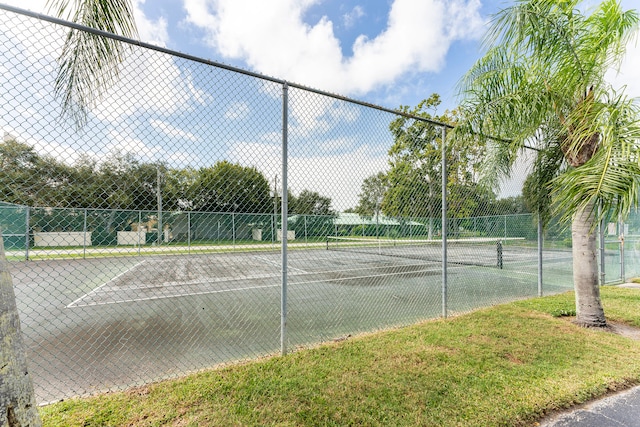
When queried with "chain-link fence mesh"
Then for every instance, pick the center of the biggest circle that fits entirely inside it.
(148, 244)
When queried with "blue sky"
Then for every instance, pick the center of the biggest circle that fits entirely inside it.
(420, 63)
(386, 52)
(322, 23)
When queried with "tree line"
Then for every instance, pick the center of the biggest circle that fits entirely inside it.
(123, 182)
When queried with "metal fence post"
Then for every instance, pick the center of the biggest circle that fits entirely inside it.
(284, 213)
(540, 242)
(159, 200)
(233, 228)
(444, 224)
(139, 230)
(622, 272)
(189, 232)
(505, 226)
(26, 235)
(602, 227)
(84, 236)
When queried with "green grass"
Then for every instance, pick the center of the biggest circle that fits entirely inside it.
(506, 365)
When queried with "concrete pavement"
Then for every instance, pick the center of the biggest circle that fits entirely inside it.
(618, 410)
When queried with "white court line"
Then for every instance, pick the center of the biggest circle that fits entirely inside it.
(218, 291)
(228, 280)
(104, 284)
(198, 282)
(246, 288)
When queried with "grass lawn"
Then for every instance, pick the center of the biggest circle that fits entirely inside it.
(505, 365)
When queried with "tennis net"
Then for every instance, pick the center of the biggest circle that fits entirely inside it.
(485, 252)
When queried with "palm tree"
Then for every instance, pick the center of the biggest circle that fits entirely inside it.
(88, 66)
(17, 401)
(542, 84)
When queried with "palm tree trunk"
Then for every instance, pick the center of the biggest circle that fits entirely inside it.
(589, 311)
(17, 400)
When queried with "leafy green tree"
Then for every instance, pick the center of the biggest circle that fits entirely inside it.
(180, 184)
(228, 187)
(414, 179)
(371, 195)
(19, 178)
(510, 205)
(542, 82)
(311, 203)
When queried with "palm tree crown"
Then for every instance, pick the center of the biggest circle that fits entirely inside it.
(542, 83)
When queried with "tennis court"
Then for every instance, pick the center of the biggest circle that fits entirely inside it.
(114, 322)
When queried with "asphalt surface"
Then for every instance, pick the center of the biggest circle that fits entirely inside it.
(619, 410)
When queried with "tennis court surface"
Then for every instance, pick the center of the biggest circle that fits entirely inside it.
(108, 323)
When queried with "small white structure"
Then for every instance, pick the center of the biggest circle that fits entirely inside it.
(256, 234)
(291, 235)
(62, 238)
(132, 237)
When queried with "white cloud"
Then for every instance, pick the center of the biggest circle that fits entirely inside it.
(349, 19)
(150, 31)
(311, 113)
(237, 111)
(336, 145)
(149, 81)
(172, 131)
(332, 175)
(121, 141)
(154, 32)
(273, 39)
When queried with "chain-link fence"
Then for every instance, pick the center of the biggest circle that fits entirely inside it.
(152, 242)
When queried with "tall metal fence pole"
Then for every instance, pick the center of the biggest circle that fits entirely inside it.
(84, 236)
(540, 244)
(26, 235)
(602, 252)
(284, 213)
(159, 197)
(189, 232)
(139, 230)
(622, 272)
(444, 223)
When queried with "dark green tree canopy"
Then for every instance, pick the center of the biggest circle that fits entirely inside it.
(121, 181)
(310, 203)
(228, 187)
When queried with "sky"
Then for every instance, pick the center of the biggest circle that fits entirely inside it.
(385, 52)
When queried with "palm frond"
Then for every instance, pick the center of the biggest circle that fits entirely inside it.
(89, 63)
(611, 178)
